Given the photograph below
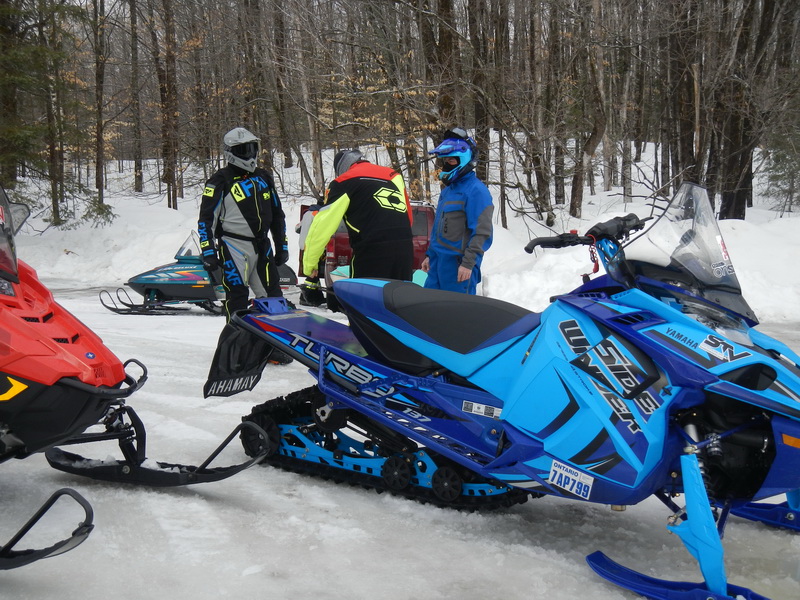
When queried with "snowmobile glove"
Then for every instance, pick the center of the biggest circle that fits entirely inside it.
(211, 262)
(282, 253)
(281, 257)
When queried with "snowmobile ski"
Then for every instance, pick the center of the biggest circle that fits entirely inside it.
(661, 589)
(11, 558)
(123, 304)
(307, 436)
(137, 469)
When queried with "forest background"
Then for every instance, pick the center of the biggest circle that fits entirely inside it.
(562, 95)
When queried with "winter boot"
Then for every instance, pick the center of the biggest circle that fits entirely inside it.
(278, 357)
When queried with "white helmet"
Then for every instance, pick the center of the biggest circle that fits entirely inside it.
(241, 148)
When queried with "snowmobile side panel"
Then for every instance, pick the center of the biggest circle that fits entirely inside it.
(782, 475)
(182, 280)
(43, 415)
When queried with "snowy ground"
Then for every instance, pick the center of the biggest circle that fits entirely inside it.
(273, 535)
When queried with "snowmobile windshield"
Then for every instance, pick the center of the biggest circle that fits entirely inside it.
(12, 216)
(684, 248)
(191, 247)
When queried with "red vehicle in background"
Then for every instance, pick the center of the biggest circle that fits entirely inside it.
(338, 252)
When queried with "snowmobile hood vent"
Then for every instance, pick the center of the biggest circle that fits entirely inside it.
(43, 319)
(632, 318)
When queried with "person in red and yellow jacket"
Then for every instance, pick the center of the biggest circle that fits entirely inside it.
(373, 202)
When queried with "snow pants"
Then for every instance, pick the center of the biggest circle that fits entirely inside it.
(388, 260)
(245, 265)
(443, 274)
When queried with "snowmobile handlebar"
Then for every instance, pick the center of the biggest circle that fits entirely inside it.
(615, 229)
(561, 240)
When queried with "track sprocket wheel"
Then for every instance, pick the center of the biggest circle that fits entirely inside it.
(446, 484)
(253, 442)
(396, 473)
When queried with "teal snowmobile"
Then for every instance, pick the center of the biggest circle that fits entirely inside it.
(60, 385)
(174, 288)
(648, 380)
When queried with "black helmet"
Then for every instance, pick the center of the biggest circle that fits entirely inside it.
(345, 159)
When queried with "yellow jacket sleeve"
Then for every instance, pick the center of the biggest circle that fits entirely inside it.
(324, 225)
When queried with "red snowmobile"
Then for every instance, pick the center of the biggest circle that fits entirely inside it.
(57, 382)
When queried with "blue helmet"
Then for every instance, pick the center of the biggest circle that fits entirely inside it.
(456, 144)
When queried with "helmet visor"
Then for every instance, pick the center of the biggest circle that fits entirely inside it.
(447, 163)
(451, 147)
(245, 151)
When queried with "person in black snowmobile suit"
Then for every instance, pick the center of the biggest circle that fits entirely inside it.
(374, 204)
(239, 209)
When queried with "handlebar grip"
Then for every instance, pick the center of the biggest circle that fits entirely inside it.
(560, 241)
(543, 242)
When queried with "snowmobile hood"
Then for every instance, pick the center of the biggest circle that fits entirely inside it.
(422, 329)
(45, 343)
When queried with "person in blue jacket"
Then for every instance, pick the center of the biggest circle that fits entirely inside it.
(462, 229)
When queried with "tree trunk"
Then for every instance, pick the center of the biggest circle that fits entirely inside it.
(170, 108)
(98, 30)
(136, 112)
(591, 143)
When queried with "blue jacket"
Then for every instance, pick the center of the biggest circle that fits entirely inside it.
(463, 223)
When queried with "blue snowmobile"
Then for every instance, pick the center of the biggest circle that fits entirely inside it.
(649, 380)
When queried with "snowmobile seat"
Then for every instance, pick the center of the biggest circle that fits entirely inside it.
(460, 323)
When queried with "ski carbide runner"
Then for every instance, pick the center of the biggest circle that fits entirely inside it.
(290, 419)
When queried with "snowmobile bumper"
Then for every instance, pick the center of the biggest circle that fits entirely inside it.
(11, 558)
(137, 469)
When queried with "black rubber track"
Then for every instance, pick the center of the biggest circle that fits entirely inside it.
(299, 405)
